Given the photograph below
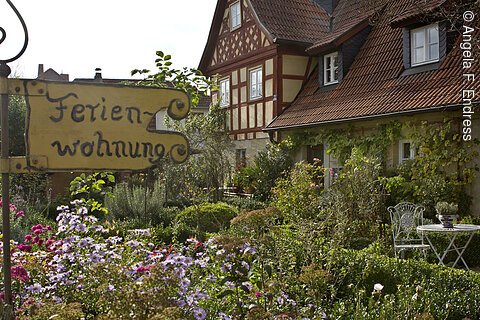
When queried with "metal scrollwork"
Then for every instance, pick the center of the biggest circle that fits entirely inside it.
(179, 153)
(177, 109)
(3, 35)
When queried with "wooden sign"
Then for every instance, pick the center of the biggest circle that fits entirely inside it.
(83, 127)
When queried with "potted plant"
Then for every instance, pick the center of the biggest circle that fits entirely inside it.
(447, 213)
(245, 179)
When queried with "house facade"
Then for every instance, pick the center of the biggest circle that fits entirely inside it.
(256, 51)
(289, 67)
(406, 61)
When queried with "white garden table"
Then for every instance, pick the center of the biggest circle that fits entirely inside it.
(451, 233)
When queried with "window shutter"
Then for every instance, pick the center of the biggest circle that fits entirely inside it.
(442, 39)
(320, 71)
(406, 48)
(340, 65)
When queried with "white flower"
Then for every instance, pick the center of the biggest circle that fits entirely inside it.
(378, 287)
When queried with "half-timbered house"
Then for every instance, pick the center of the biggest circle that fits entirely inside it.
(256, 49)
(292, 66)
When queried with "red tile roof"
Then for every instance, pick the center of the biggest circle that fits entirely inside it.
(416, 11)
(292, 20)
(375, 86)
(348, 18)
(300, 22)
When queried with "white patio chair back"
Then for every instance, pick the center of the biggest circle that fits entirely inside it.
(406, 217)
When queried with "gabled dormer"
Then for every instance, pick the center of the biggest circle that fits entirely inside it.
(424, 46)
(425, 36)
(337, 52)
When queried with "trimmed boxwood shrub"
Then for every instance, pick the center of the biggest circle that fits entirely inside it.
(255, 222)
(204, 218)
(413, 289)
(245, 203)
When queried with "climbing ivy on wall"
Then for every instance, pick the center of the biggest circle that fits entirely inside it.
(441, 171)
(373, 143)
(443, 167)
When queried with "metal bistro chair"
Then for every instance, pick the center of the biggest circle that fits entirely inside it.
(406, 217)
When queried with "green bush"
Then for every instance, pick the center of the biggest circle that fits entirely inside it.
(140, 204)
(206, 217)
(58, 311)
(255, 222)
(245, 179)
(245, 203)
(270, 164)
(353, 207)
(93, 189)
(30, 187)
(297, 195)
(411, 288)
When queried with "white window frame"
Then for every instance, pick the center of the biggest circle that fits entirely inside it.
(255, 83)
(241, 158)
(235, 15)
(224, 92)
(330, 68)
(427, 43)
(401, 156)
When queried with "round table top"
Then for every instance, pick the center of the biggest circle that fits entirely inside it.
(456, 228)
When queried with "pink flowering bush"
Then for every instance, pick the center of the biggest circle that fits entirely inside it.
(132, 278)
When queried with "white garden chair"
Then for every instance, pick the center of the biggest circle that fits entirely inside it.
(406, 217)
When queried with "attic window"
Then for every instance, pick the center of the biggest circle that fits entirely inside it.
(235, 16)
(424, 45)
(330, 68)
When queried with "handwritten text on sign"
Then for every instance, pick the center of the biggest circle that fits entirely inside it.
(94, 127)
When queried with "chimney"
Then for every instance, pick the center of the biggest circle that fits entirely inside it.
(40, 70)
(98, 75)
(327, 5)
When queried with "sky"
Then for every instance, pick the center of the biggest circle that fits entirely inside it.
(77, 36)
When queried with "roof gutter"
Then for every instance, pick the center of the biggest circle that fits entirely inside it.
(292, 42)
(307, 125)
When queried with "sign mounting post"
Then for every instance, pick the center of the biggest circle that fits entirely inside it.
(4, 73)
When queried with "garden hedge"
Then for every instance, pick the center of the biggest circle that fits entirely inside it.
(412, 288)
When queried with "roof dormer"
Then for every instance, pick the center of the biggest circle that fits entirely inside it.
(338, 51)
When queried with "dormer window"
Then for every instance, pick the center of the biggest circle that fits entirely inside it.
(330, 68)
(235, 16)
(424, 45)
(224, 92)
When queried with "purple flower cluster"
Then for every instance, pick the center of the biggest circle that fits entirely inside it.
(211, 280)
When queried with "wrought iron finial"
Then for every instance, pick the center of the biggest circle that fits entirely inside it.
(3, 35)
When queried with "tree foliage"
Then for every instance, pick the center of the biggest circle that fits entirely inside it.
(16, 130)
(190, 80)
(204, 173)
(442, 169)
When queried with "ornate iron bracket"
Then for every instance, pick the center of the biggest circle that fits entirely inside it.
(3, 36)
